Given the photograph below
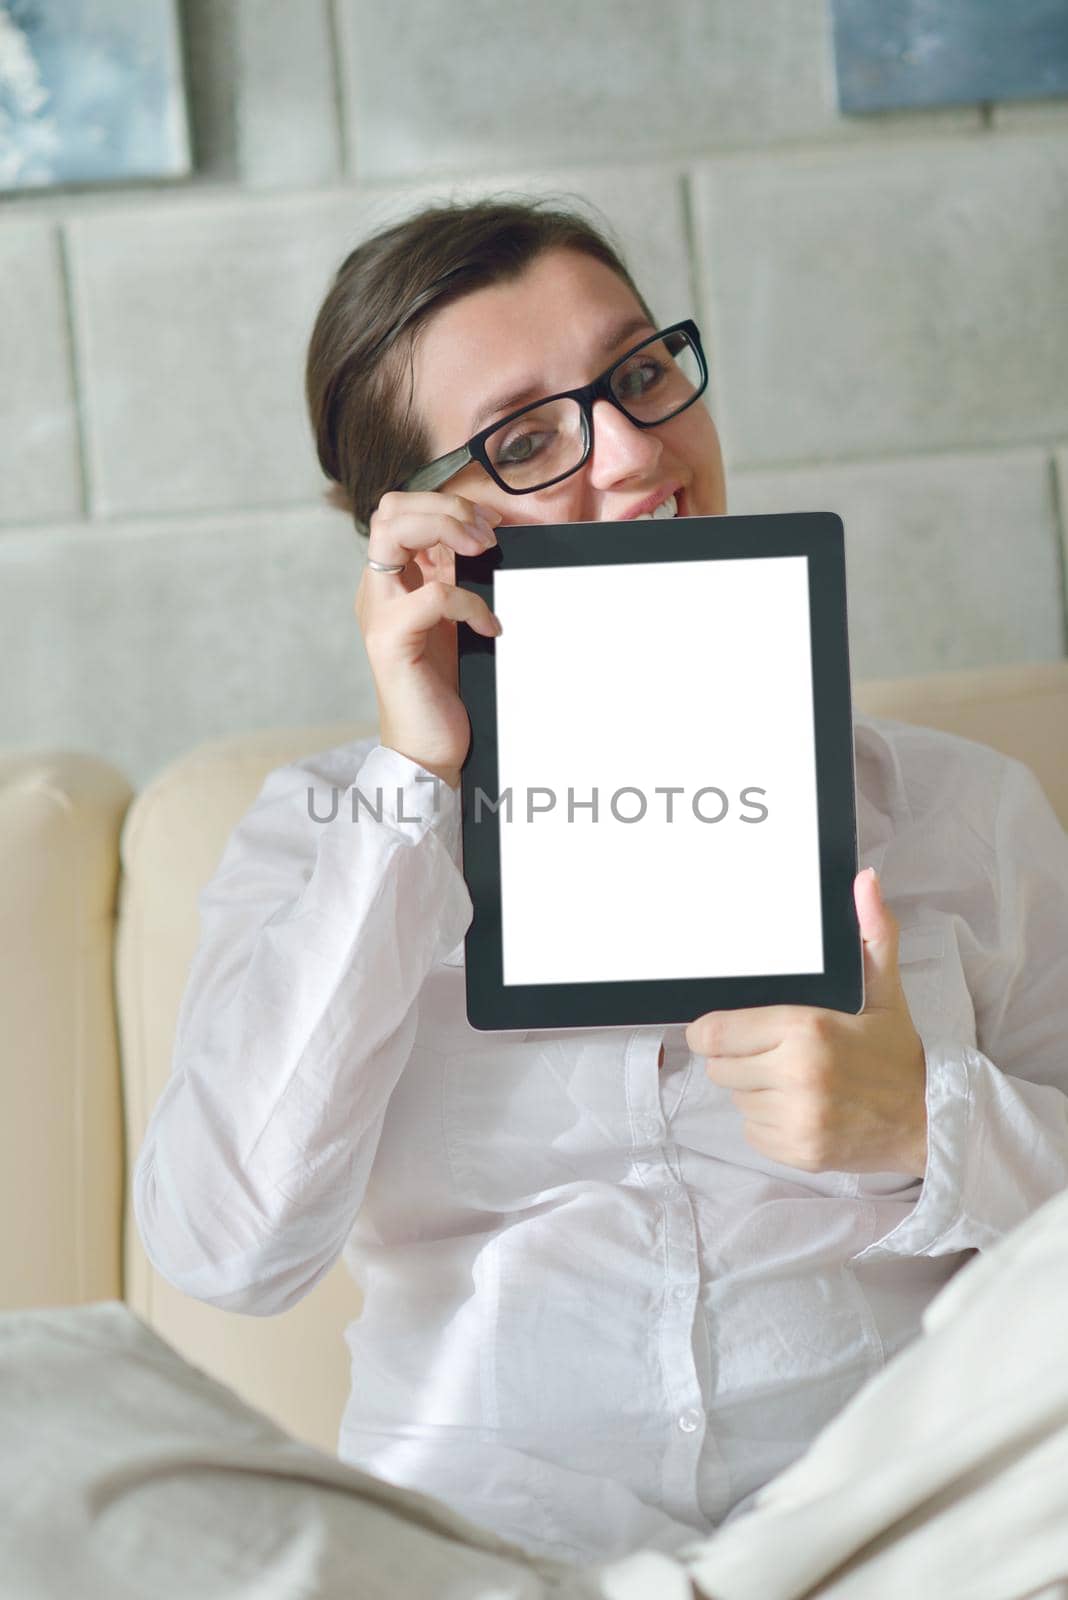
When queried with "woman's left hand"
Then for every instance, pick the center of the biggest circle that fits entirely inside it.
(824, 1090)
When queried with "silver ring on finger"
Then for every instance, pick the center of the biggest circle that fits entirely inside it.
(385, 566)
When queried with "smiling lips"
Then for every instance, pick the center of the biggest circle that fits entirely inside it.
(666, 508)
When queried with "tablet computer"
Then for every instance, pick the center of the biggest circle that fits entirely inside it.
(658, 803)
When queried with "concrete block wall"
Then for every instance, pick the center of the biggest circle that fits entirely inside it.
(882, 298)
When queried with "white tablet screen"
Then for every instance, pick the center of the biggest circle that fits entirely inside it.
(616, 683)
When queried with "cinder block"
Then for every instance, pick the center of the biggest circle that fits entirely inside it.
(194, 326)
(887, 301)
(1061, 470)
(1051, 115)
(39, 471)
(263, 90)
(641, 206)
(951, 561)
(138, 640)
(500, 83)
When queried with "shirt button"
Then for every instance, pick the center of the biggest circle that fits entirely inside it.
(681, 1291)
(647, 1128)
(689, 1421)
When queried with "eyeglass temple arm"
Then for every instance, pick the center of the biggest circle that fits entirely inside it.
(436, 472)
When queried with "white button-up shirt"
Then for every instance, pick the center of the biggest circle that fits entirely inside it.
(594, 1318)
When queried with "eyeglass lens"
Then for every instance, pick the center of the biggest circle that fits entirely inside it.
(548, 441)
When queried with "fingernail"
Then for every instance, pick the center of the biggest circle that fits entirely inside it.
(497, 625)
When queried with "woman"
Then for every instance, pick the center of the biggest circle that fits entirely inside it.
(611, 1285)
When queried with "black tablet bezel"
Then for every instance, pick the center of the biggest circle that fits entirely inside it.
(494, 1007)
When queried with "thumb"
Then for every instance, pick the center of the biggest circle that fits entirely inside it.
(879, 932)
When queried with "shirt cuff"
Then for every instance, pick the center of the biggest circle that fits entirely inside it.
(940, 1203)
(397, 791)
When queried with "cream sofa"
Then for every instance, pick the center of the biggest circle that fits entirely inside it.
(99, 910)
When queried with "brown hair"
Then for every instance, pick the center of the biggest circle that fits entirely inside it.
(383, 294)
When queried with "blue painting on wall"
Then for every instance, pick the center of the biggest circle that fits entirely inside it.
(901, 54)
(90, 91)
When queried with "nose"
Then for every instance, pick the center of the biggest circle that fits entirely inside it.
(620, 450)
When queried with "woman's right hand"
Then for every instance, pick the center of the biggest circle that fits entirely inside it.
(408, 620)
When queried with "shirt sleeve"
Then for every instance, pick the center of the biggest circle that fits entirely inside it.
(997, 1112)
(332, 901)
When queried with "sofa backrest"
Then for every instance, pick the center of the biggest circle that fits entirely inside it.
(1021, 710)
(294, 1366)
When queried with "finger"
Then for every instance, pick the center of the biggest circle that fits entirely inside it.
(437, 562)
(399, 539)
(437, 601)
(763, 1107)
(773, 1146)
(402, 523)
(743, 1072)
(880, 933)
(434, 502)
(747, 1032)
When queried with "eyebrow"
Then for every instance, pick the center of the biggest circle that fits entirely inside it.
(501, 405)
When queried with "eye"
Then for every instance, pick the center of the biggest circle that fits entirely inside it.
(638, 377)
(520, 447)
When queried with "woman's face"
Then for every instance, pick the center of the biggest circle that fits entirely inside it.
(556, 327)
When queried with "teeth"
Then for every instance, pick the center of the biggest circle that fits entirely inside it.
(668, 509)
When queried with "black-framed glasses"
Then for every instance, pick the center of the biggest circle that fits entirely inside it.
(550, 439)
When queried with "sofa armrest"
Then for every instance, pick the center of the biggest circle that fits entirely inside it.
(61, 1141)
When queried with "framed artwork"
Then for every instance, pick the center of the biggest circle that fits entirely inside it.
(904, 54)
(91, 91)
